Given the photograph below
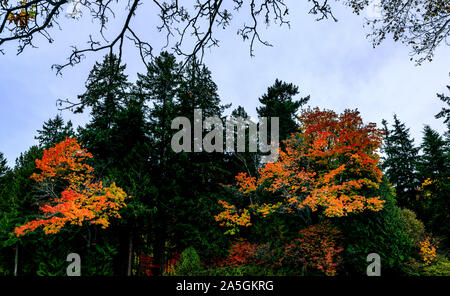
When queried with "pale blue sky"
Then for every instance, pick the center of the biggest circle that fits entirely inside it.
(332, 62)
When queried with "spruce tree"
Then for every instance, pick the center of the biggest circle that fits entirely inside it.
(18, 204)
(202, 172)
(116, 136)
(159, 87)
(399, 162)
(279, 102)
(130, 153)
(434, 173)
(3, 165)
(54, 131)
(184, 185)
(434, 159)
(106, 88)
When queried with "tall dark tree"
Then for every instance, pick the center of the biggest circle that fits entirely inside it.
(399, 162)
(279, 102)
(159, 86)
(18, 202)
(434, 173)
(131, 150)
(203, 172)
(54, 131)
(106, 89)
(116, 136)
(434, 161)
(198, 91)
(184, 185)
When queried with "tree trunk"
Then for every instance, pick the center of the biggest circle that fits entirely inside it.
(130, 254)
(159, 251)
(16, 259)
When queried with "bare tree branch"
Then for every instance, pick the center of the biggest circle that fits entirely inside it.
(190, 29)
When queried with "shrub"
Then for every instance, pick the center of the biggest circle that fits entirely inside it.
(189, 264)
(225, 271)
(427, 251)
(318, 249)
(441, 267)
(382, 233)
(243, 253)
(315, 250)
(413, 227)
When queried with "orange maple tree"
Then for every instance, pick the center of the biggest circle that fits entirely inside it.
(63, 168)
(330, 165)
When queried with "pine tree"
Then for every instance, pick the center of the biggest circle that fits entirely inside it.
(434, 161)
(54, 131)
(3, 165)
(130, 153)
(279, 102)
(159, 86)
(434, 174)
(116, 136)
(184, 185)
(5, 184)
(198, 91)
(203, 172)
(106, 89)
(18, 205)
(399, 162)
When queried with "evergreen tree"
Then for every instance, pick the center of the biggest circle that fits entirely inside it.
(379, 232)
(160, 86)
(203, 172)
(18, 204)
(185, 185)
(399, 162)
(117, 137)
(434, 174)
(3, 165)
(5, 225)
(279, 102)
(106, 89)
(198, 91)
(434, 161)
(54, 131)
(130, 153)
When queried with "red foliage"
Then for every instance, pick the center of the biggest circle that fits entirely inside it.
(317, 248)
(147, 263)
(244, 253)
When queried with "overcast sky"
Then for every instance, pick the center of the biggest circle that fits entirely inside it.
(332, 62)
